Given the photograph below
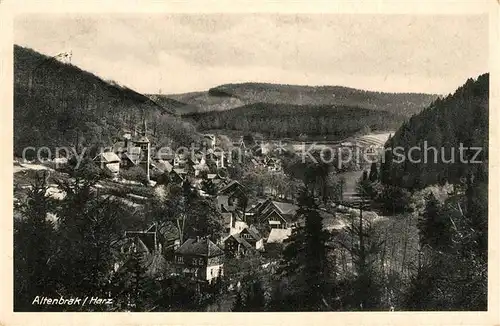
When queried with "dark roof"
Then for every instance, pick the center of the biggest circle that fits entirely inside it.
(231, 187)
(168, 231)
(200, 247)
(240, 240)
(143, 240)
(281, 207)
(252, 230)
(226, 217)
(142, 139)
(286, 208)
(256, 206)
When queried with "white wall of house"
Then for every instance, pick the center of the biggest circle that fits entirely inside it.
(114, 167)
(259, 244)
(214, 272)
(238, 227)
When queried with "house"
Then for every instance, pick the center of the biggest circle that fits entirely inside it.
(233, 222)
(236, 246)
(209, 140)
(109, 161)
(161, 166)
(231, 196)
(131, 157)
(177, 175)
(168, 236)
(199, 258)
(253, 237)
(254, 209)
(145, 241)
(247, 240)
(277, 215)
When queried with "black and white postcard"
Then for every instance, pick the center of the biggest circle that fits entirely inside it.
(276, 157)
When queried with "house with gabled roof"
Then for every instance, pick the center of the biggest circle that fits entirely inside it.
(236, 246)
(233, 222)
(144, 241)
(248, 239)
(231, 196)
(109, 161)
(277, 215)
(200, 259)
(253, 236)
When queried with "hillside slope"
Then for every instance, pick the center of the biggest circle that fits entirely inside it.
(58, 104)
(461, 118)
(229, 96)
(286, 120)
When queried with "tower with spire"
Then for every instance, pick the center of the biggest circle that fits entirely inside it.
(145, 145)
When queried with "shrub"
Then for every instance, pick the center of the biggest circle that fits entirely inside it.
(135, 173)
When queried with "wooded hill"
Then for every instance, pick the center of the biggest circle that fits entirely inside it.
(289, 120)
(230, 96)
(459, 118)
(59, 104)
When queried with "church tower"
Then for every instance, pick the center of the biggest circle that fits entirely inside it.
(145, 145)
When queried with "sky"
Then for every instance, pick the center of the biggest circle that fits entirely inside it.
(178, 53)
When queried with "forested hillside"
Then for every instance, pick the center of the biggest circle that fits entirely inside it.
(229, 96)
(58, 104)
(460, 118)
(287, 120)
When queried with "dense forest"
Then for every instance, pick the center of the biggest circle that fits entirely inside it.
(286, 120)
(460, 118)
(230, 96)
(58, 104)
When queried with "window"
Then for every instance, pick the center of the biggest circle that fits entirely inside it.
(198, 261)
(179, 259)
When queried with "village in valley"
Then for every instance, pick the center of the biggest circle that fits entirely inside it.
(245, 196)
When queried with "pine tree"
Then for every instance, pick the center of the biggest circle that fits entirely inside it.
(138, 282)
(239, 303)
(364, 250)
(88, 229)
(373, 172)
(256, 300)
(304, 262)
(34, 238)
(434, 227)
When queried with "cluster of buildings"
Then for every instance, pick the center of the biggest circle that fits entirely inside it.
(248, 229)
(249, 226)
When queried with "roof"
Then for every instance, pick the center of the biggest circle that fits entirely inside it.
(256, 206)
(142, 139)
(278, 235)
(168, 231)
(108, 157)
(231, 187)
(286, 208)
(240, 240)
(143, 239)
(133, 154)
(179, 171)
(254, 232)
(119, 146)
(163, 166)
(226, 217)
(165, 155)
(200, 247)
